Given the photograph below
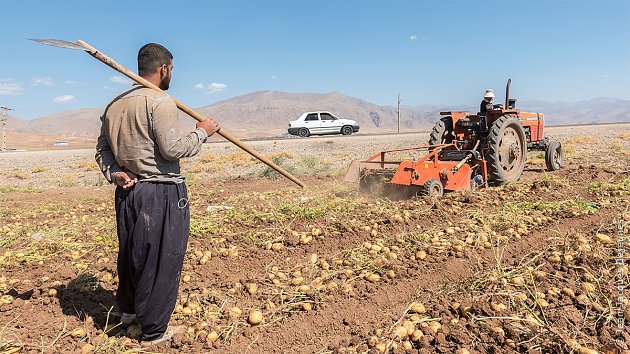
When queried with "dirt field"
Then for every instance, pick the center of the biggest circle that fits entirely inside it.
(529, 267)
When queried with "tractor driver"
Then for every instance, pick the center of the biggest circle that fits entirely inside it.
(486, 103)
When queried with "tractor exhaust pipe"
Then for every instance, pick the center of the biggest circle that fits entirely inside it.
(507, 94)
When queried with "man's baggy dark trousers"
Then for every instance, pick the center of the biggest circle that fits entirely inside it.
(153, 221)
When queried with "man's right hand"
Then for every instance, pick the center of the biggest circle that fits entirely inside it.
(209, 125)
(126, 180)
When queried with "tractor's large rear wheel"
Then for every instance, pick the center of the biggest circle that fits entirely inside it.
(442, 132)
(507, 149)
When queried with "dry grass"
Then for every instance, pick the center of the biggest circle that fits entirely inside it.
(582, 140)
(68, 180)
(84, 165)
(623, 136)
(19, 175)
(39, 169)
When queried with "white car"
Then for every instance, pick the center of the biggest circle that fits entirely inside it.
(322, 122)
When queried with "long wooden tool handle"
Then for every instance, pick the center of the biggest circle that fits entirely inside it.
(139, 79)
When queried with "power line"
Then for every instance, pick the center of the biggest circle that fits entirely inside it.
(4, 119)
(398, 112)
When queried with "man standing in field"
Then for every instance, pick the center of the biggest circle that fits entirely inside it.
(139, 150)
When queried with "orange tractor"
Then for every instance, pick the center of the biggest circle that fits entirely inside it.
(466, 151)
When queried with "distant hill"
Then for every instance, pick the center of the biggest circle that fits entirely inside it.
(264, 112)
(267, 113)
(14, 123)
(75, 123)
(596, 110)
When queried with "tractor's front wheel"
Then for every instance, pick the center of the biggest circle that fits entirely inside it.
(506, 150)
(432, 188)
(553, 155)
(442, 132)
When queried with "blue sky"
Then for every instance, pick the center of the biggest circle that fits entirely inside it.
(432, 52)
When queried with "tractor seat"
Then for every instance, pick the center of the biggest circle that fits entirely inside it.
(465, 122)
(458, 155)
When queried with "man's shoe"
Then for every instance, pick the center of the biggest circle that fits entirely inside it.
(128, 319)
(168, 335)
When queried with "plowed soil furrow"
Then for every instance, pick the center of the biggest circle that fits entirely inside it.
(349, 319)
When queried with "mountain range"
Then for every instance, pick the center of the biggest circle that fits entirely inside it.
(267, 113)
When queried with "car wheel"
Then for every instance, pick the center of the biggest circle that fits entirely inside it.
(346, 130)
(304, 132)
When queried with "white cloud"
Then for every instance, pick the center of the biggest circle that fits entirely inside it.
(10, 88)
(274, 76)
(413, 37)
(604, 76)
(64, 98)
(120, 80)
(216, 87)
(70, 82)
(212, 88)
(43, 81)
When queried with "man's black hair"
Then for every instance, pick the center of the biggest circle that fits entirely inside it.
(151, 56)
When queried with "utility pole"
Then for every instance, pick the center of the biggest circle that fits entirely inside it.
(4, 127)
(398, 112)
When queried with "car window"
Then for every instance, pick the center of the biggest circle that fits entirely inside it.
(327, 116)
(312, 116)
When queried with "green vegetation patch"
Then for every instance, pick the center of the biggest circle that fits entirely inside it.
(621, 186)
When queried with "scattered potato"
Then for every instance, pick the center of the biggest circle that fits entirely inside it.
(78, 333)
(255, 317)
(401, 332)
(373, 278)
(418, 308)
(554, 258)
(497, 307)
(420, 255)
(568, 292)
(435, 327)
(417, 335)
(212, 337)
(252, 288)
(235, 313)
(519, 281)
(584, 350)
(605, 239)
(588, 287)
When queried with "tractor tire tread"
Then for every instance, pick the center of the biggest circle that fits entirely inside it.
(437, 133)
(493, 163)
(551, 164)
(428, 186)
